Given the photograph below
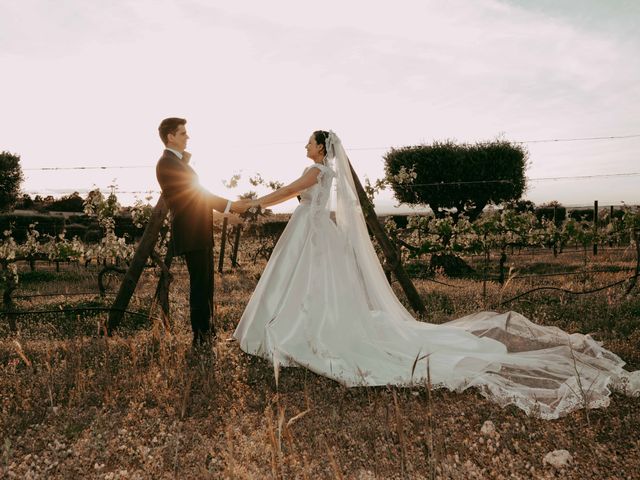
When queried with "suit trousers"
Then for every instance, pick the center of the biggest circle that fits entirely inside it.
(200, 266)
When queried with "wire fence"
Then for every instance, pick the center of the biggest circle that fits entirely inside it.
(426, 275)
(11, 312)
(364, 148)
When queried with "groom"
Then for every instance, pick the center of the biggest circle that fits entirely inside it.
(191, 208)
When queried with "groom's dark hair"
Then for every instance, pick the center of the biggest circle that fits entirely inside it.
(169, 125)
(321, 138)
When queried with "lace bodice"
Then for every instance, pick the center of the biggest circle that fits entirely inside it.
(317, 196)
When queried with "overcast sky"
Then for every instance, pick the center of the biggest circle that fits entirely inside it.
(86, 83)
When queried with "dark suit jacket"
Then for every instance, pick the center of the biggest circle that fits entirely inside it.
(190, 204)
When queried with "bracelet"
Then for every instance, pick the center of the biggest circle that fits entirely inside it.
(228, 207)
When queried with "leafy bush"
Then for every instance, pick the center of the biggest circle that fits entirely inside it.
(464, 177)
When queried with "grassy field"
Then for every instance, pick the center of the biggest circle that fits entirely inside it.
(78, 405)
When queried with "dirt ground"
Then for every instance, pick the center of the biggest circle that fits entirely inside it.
(139, 405)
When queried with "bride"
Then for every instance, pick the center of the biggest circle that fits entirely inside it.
(323, 303)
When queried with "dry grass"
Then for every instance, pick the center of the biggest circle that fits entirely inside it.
(76, 405)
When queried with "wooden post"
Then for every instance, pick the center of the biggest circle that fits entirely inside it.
(555, 226)
(138, 262)
(389, 250)
(223, 243)
(162, 290)
(503, 260)
(236, 245)
(595, 227)
(484, 270)
(6, 296)
(610, 221)
(634, 280)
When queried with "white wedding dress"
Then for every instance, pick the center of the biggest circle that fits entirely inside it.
(323, 303)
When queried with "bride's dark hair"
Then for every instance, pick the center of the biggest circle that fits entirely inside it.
(321, 138)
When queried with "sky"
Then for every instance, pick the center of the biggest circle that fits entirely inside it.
(87, 82)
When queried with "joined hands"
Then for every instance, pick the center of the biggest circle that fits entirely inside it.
(242, 206)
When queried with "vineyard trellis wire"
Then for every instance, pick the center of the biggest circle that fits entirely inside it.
(499, 229)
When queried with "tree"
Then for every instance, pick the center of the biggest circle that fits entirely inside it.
(553, 211)
(25, 202)
(68, 203)
(10, 179)
(521, 206)
(463, 177)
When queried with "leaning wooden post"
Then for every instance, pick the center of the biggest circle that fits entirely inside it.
(138, 262)
(162, 290)
(389, 250)
(236, 244)
(223, 243)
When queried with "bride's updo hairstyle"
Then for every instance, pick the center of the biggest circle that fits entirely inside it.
(321, 139)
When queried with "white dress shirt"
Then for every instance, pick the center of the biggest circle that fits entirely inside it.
(178, 154)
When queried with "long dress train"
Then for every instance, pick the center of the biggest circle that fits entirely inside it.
(323, 303)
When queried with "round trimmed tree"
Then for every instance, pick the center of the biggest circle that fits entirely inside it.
(457, 178)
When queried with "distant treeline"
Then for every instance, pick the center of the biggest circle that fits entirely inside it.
(82, 226)
(67, 203)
